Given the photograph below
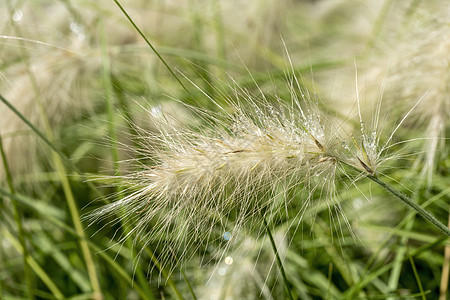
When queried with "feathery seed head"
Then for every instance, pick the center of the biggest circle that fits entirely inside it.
(214, 179)
(407, 86)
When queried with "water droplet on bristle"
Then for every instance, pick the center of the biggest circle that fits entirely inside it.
(17, 16)
(227, 236)
(228, 260)
(77, 30)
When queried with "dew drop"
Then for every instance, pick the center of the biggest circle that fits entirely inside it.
(227, 236)
(345, 146)
(17, 16)
(77, 30)
(6, 244)
(228, 260)
(358, 203)
(156, 111)
(222, 271)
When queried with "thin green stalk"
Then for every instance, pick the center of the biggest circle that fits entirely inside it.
(73, 210)
(394, 277)
(186, 280)
(18, 219)
(170, 282)
(61, 171)
(108, 88)
(424, 213)
(66, 160)
(330, 274)
(405, 199)
(100, 251)
(191, 290)
(445, 271)
(150, 45)
(279, 262)
(6, 166)
(35, 266)
(365, 273)
(107, 85)
(416, 275)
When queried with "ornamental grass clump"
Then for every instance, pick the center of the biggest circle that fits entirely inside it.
(251, 161)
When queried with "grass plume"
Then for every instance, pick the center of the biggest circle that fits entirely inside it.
(197, 183)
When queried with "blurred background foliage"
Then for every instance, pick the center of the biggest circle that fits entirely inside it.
(80, 74)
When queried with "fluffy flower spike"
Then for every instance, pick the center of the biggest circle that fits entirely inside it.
(207, 181)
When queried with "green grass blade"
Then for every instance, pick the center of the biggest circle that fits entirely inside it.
(66, 160)
(279, 262)
(73, 210)
(416, 275)
(18, 218)
(34, 265)
(111, 262)
(170, 282)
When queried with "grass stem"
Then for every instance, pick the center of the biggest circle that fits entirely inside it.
(56, 155)
(170, 282)
(424, 213)
(18, 219)
(445, 271)
(405, 199)
(108, 91)
(34, 265)
(279, 262)
(417, 277)
(151, 46)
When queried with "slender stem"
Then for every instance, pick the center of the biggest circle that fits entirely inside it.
(18, 219)
(186, 280)
(170, 282)
(421, 211)
(66, 160)
(46, 279)
(73, 210)
(279, 262)
(150, 45)
(445, 271)
(108, 91)
(35, 130)
(424, 213)
(191, 290)
(57, 154)
(416, 275)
